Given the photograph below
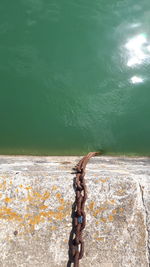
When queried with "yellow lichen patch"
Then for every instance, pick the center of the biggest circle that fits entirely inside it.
(46, 195)
(43, 207)
(31, 228)
(61, 207)
(54, 188)
(35, 210)
(58, 195)
(97, 211)
(103, 219)
(44, 213)
(121, 209)
(3, 185)
(99, 238)
(8, 200)
(104, 180)
(114, 211)
(35, 198)
(60, 199)
(21, 186)
(23, 199)
(17, 190)
(48, 214)
(28, 187)
(53, 227)
(22, 225)
(59, 216)
(27, 215)
(37, 194)
(91, 205)
(111, 218)
(112, 201)
(7, 213)
(120, 192)
(35, 219)
(29, 198)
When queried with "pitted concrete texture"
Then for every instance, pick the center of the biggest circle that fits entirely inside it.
(37, 194)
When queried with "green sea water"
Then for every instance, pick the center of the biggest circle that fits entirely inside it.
(74, 77)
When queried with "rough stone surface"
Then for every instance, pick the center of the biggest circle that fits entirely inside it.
(37, 194)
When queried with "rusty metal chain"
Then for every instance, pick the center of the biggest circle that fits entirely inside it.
(79, 217)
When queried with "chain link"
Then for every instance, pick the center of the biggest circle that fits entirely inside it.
(79, 216)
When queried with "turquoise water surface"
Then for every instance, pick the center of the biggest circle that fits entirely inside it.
(74, 76)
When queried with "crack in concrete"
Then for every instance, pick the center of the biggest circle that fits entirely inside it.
(146, 218)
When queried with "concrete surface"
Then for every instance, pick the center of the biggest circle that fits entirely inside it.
(36, 196)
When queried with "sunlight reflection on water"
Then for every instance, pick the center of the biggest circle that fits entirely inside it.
(138, 50)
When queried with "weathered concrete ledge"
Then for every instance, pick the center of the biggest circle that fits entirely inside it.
(36, 196)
